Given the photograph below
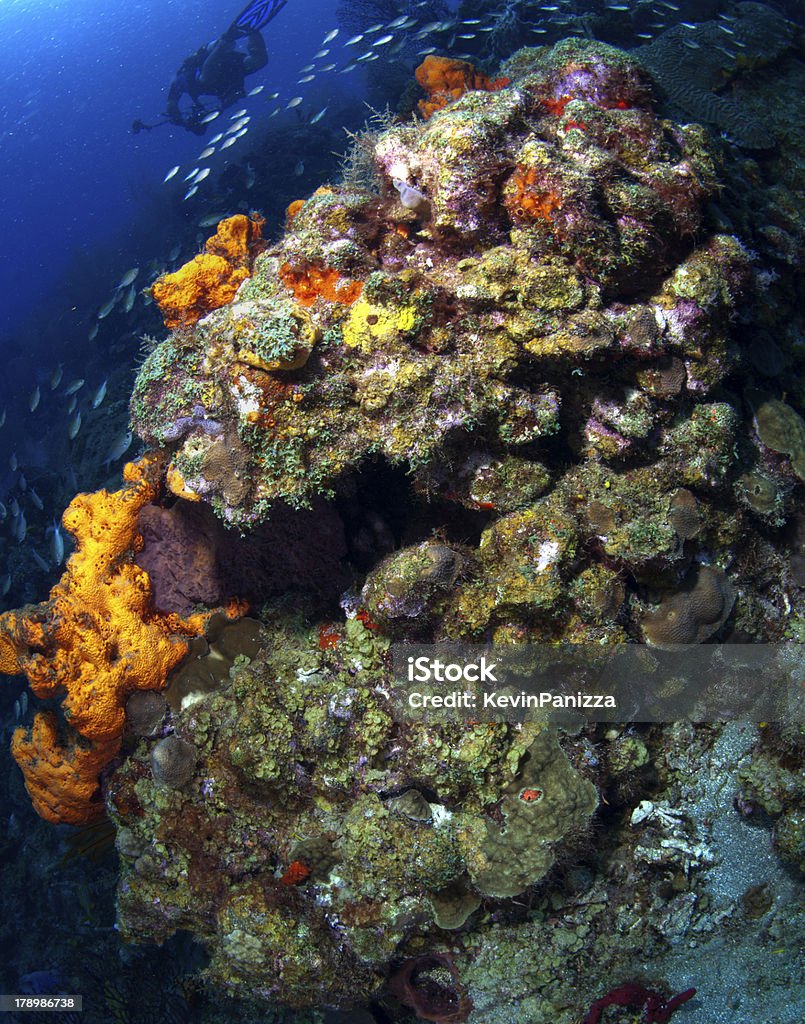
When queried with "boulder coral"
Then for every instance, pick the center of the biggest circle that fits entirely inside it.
(95, 640)
(211, 279)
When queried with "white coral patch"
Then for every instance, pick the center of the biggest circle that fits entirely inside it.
(547, 554)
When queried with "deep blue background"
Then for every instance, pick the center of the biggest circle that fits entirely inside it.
(73, 76)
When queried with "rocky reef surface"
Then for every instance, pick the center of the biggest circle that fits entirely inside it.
(497, 386)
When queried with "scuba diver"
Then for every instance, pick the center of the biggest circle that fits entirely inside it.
(218, 69)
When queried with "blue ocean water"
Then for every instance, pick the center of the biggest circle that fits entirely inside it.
(75, 74)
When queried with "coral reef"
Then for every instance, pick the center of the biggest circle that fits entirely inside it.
(494, 395)
(286, 816)
(94, 641)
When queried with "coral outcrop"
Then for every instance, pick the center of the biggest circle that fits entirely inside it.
(309, 841)
(95, 640)
(532, 323)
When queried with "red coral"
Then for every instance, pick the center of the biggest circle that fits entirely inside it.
(656, 1009)
(296, 873)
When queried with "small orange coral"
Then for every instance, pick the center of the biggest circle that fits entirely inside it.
(309, 282)
(445, 79)
(528, 199)
(94, 641)
(293, 208)
(211, 279)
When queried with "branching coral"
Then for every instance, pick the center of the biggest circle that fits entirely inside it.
(211, 279)
(95, 641)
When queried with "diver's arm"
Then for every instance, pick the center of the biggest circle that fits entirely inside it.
(175, 94)
(256, 54)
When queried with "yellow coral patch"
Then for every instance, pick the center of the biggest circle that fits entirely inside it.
(370, 327)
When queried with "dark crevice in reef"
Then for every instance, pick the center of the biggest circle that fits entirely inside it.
(382, 512)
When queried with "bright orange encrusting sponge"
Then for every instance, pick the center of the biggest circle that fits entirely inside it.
(211, 279)
(309, 282)
(95, 641)
(445, 79)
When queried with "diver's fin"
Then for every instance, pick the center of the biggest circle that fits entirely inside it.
(257, 14)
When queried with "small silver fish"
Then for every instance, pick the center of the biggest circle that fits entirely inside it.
(22, 483)
(383, 40)
(20, 528)
(320, 53)
(3, 512)
(206, 152)
(211, 116)
(99, 395)
(171, 174)
(210, 219)
(398, 22)
(92, 333)
(72, 404)
(33, 401)
(75, 426)
(354, 41)
(294, 102)
(305, 79)
(3, 418)
(328, 67)
(272, 96)
(128, 278)
(300, 168)
(373, 28)
(351, 66)
(317, 117)
(13, 463)
(175, 252)
(74, 386)
(229, 142)
(56, 544)
(192, 174)
(329, 37)
(56, 376)
(307, 67)
(107, 308)
(131, 298)
(43, 565)
(240, 113)
(35, 499)
(191, 191)
(5, 584)
(203, 174)
(256, 90)
(216, 138)
(119, 447)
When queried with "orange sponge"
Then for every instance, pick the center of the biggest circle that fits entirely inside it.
(211, 279)
(445, 79)
(96, 640)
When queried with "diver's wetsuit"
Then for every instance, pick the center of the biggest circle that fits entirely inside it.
(219, 69)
